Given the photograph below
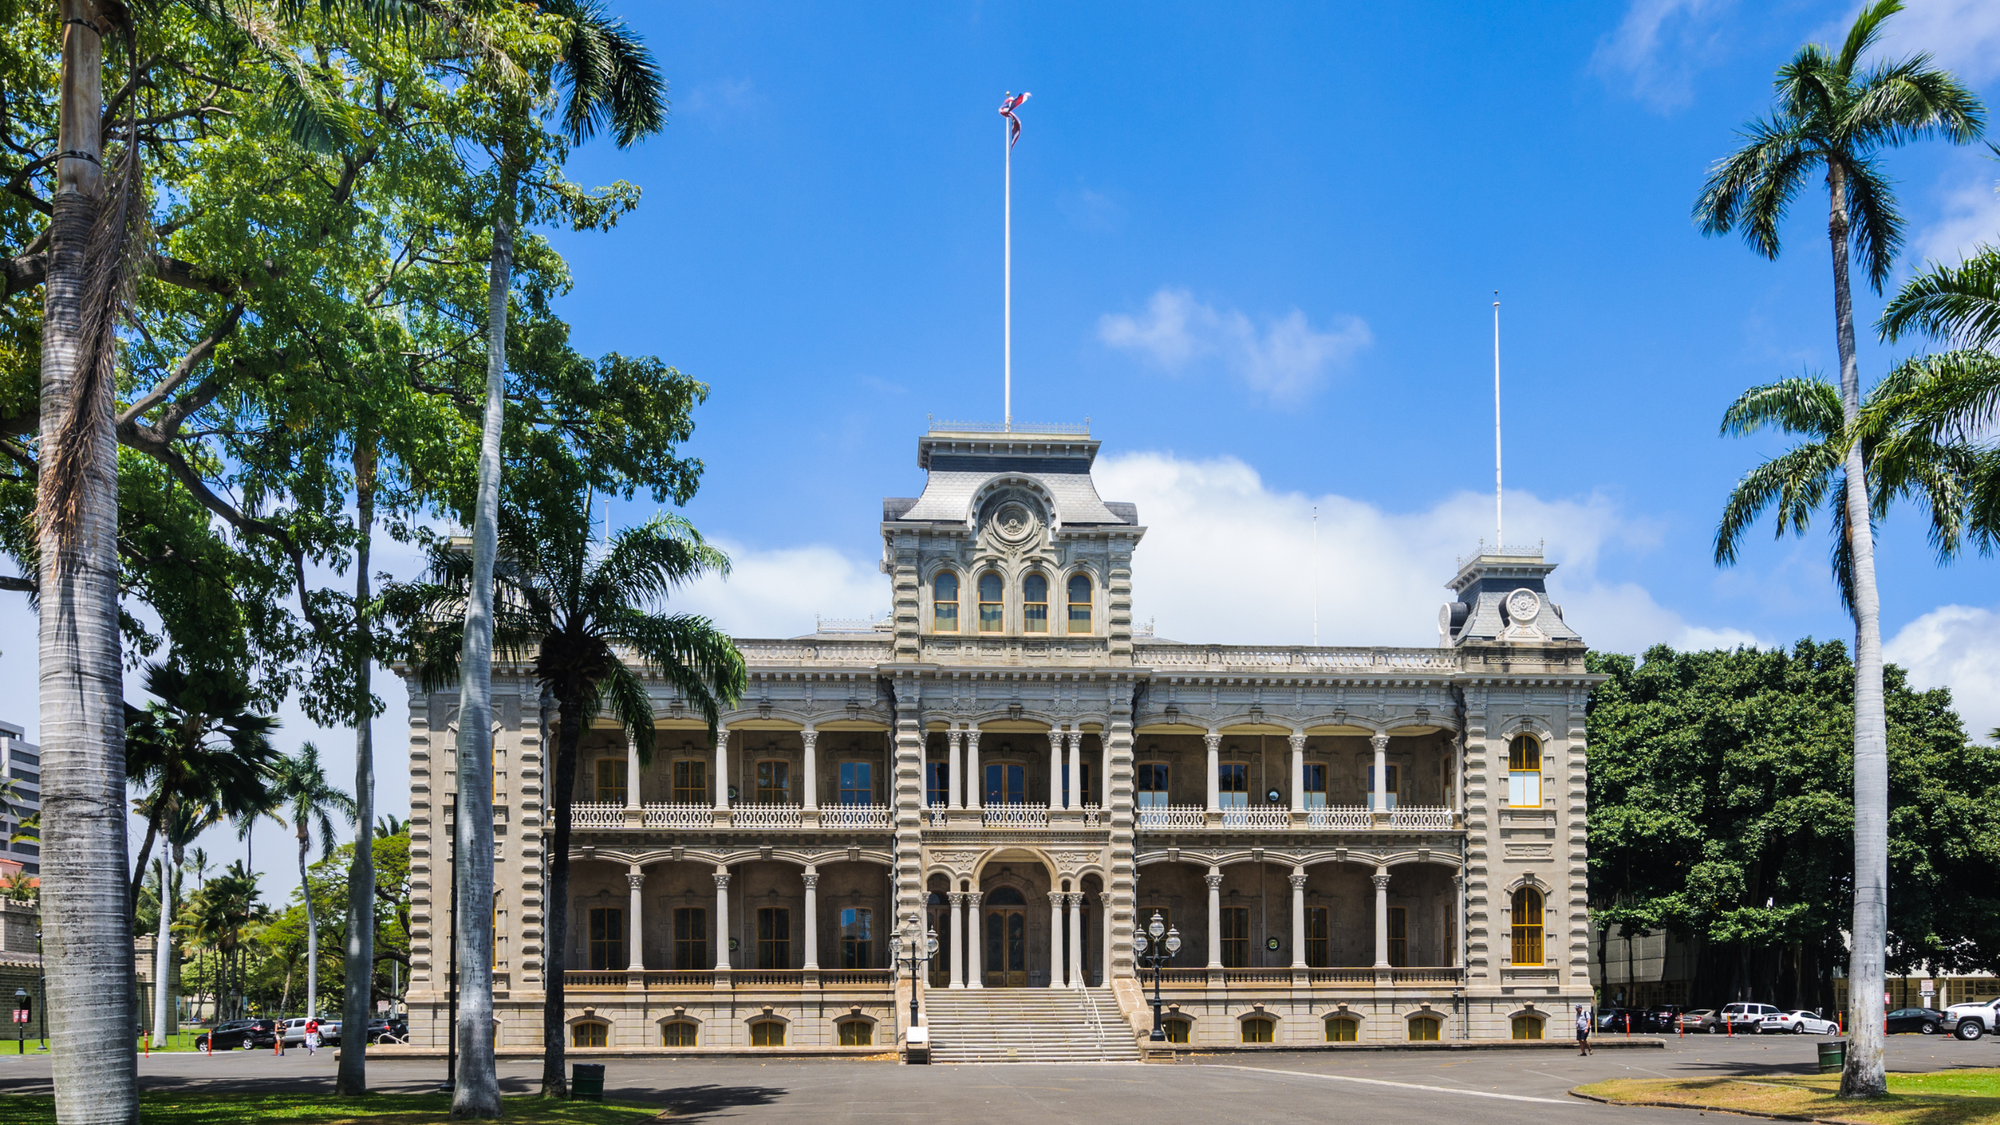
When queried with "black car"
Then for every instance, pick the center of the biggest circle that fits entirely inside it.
(389, 1031)
(1925, 1021)
(230, 1035)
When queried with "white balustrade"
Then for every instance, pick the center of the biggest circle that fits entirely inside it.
(1093, 816)
(1263, 818)
(1173, 818)
(1427, 819)
(596, 815)
(854, 816)
(1017, 816)
(765, 816)
(1302, 657)
(678, 816)
(1351, 818)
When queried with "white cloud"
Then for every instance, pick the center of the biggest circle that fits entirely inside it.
(1285, 360)
(1958, 647)
(1658, 46)
(1962, 35)
(1971, 217)
(778, 593)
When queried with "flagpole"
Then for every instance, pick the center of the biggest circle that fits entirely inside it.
(1007, 278)
(1497, 525)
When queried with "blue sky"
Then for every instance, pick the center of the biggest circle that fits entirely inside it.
(1256, 246)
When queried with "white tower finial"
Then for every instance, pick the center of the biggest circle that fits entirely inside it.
(1498, 538)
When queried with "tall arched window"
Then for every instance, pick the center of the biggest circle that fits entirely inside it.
(1527, 1027)
(589, 1033)
(944, 603)
(989, 603)
(1527, 926)
(1035, 604)
(1079, 603)
(1424, 1029)
(1524, 772)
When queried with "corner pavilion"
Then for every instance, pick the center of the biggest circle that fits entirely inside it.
(1355, 844)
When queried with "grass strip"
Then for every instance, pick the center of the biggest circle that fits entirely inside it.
(186, 1108)
(1951, 1097)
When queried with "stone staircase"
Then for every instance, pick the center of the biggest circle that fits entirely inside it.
(984, 1025)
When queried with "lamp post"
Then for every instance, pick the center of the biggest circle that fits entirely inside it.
(923, 945)
(1161, 953)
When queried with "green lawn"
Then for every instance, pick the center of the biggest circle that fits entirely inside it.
(318, 1109)
(1950, 1097)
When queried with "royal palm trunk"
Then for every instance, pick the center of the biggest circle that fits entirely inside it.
(554, 1084)
(352, 1079)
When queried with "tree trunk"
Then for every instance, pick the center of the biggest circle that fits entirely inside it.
(555, 1083)
(1866, 1074)
(145, 854)
(352, 1079)
(476, 1093)
(312, 926)
(163, 953)
(86, 902)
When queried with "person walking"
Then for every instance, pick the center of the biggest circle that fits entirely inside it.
(312, 1034)
(1582, 1031)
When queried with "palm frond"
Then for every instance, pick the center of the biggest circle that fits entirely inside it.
(1910, 99)
(1957, 303)
(1797, 481)
(1863, 33)
(646, 563)
(1953, 394)
(1754, 185)
(315, 119)
(630, 703)
(1805, 405)
(697, 658)
(608, 75)
(1873, 221)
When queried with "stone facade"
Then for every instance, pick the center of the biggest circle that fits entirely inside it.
(1366, 844)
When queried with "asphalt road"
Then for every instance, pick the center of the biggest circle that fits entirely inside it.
(1483, 1086)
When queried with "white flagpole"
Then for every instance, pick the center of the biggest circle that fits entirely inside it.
(1497, 525)
(1315, 570)
(1007, 275)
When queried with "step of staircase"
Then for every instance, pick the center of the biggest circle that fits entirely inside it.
(1028, 1025)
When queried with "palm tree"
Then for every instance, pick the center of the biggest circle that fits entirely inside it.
(390, 825)
(359, 954)
(1835, 117)
(303, 798)
(608, 78)
(582, 613)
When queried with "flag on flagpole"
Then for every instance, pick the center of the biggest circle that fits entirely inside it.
(1007, 107)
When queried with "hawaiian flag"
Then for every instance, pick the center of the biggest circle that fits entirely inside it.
(1007, 107)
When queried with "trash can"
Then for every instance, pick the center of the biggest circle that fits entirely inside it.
(586, 1081)
(1832, 1056)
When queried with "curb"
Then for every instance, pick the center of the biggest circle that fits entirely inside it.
(1577, 1092)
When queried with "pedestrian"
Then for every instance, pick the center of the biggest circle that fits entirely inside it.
(312, 1035)
(1582, 1031)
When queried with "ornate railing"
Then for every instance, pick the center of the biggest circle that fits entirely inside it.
(1068, 429)
(854, 816)
(1180, 976)
(1340, 817)
(937, 818)
(678, 816)
(1173, 818)
(593, 981)
(1256, 976)
(670, 980)
(1264, 817)
(767, 978)
(765, 816)
(596, 815)
(1426, 976)
(1301, 657)
(680, 978)
(1016, 816)
(857, 978)
(845, 651)
(1093, 817)
(1433, 819)
(1341, 976)
(987, 650)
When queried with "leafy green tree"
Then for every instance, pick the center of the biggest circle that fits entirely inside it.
(1835, 116)
(1721, 792)
(303, 798)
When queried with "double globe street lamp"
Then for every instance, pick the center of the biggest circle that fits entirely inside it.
(1161, 953)
(923, 945)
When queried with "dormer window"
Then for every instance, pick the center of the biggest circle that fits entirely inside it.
(1035, 604)
(990, 620)
(1079, 603)
(944, 603)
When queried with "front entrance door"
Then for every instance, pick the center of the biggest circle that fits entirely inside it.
(1006, 937)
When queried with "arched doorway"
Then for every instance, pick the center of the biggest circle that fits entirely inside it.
(1005, 931)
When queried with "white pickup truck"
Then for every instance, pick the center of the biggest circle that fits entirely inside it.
(1970, 1021)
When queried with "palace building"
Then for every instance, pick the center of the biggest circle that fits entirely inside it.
(1366, 844)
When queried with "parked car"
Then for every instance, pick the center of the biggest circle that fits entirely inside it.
(1970, 1021)
(389, 1031)
(1746, 1017)
(1925, 1021)
(295, 1033)
(1613, 1019)
(232, 1034)
(1799, 1022)
(1663, 1018)
(1699, 1020)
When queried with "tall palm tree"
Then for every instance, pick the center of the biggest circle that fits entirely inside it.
(1835, 118)
(581, 613)
(608, 77)
(303, 798)
(359, 955)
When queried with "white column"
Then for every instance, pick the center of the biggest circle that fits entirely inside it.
(811, 737)
(721, 918)
(1104, 941)
(957, 939)
(1381, 917)
(1214, 740)
(956, 777)
(976, 784)
(721, 767)
(635, 961)
(1457, 800)
(1076, 768)
(1056, 938)
(1055, 769)
(1076, 937)
(1298, 917)
(1215, 917)
(1458, 922)
(1298, 771)
(1379, 796)
(812, 917)
(978, 973)
(631, 772)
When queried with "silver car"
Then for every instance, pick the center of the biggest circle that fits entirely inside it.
(1798, 1022)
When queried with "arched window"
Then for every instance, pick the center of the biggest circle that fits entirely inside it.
(944, 602)
(1079, 603)
(1257, 1029)
(1177, 1030)
(1524, 772)
(767, 1033)
(857, 1033)
(1527, 926)
(1340, 1029)
(989, 603)
(1424, 1029)
(590, 1033)
(678, 1033)
(1035, 604)
(1527, 1027)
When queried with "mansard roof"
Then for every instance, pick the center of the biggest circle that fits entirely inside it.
(964, 460)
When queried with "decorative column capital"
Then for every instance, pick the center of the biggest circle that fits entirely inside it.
(637, 880)
(1056, 739)
(1215, 881)
(1076, 739)
(956, 898)
(972, 898)
(1298, 741)
(972, 739)
(1379, 740)
(811, 877)
(1381, 880)
(1056, 898)
(810, 735)
(1213, 740)
(1299, 882)
(722, 880)
(956, 738)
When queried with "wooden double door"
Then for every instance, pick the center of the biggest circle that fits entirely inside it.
(1004, 930)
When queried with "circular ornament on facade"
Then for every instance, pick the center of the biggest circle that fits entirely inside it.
(1523, 604)
(1014, 523)
(1444, 617)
